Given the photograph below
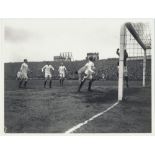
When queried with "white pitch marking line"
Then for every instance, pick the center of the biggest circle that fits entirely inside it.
(74, 128)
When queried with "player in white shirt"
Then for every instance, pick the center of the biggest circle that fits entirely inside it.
(48, 74)
(22, 74)
(62, 70)
(88, 70)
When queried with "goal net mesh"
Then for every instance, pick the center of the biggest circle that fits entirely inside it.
(136, 52)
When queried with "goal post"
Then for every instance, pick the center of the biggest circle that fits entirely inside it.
(136, 30)
(121, 63)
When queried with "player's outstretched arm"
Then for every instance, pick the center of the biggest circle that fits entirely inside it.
(117, 52)
(82, 69)
(21, 68)
(43, 69)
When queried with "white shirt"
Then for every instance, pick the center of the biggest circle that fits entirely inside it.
(62, 69)
(47, 69)
(24, 68)
(89, 67)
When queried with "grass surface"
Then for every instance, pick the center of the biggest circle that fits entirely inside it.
(55, 110)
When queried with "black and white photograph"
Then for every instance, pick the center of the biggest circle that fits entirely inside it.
(77, 75)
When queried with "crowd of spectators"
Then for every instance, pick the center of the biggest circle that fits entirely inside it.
(108, 67)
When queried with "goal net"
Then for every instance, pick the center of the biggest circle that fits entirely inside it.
(135, 38)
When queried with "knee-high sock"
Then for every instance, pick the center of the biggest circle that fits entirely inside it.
(127, 83)
(25, 83)
(45, 83)
(20, 83)
(60, 82)
(90, 83)
(50, 83)
(81, 84)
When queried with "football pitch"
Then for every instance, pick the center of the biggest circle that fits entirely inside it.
(61, 109)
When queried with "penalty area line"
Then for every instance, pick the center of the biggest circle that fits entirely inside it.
(74, 128)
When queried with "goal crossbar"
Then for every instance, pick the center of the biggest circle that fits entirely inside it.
(132, 30)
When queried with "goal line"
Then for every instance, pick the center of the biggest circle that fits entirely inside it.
(74, 128)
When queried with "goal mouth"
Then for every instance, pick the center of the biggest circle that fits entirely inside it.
(135, 38)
